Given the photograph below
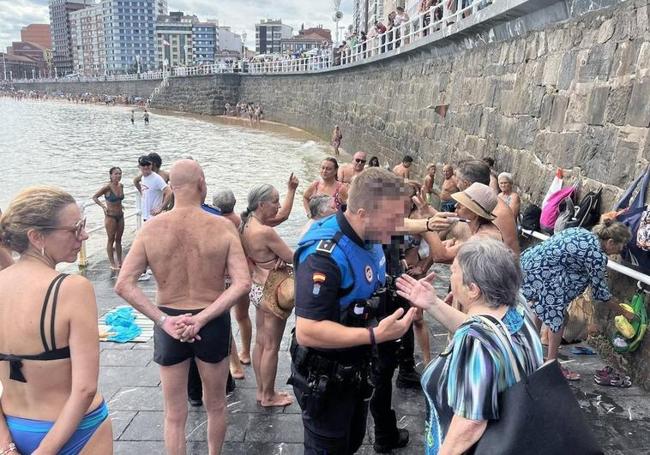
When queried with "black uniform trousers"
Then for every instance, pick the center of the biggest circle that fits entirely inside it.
(339, 424)
(386, 431)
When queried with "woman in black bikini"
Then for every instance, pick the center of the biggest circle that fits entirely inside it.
(49, 353)
(113, 193)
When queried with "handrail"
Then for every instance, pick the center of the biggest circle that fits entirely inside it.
(620, 268)
(83, 257)
(438, 19)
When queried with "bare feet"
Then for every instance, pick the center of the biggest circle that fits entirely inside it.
(279, 399)
(259, 395)
(237, 373)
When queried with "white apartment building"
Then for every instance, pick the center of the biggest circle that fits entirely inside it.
(88, 41)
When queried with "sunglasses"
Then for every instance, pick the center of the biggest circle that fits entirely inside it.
(360, 161)
(77, 229)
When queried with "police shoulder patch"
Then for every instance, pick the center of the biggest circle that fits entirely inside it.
(326, 246)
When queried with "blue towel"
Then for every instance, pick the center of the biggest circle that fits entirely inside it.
(121, 322)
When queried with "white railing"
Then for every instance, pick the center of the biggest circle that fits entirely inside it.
(442, 19)
(137, 213)
(620, 268)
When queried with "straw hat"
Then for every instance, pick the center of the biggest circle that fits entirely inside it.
(278, 295)
(479, 198)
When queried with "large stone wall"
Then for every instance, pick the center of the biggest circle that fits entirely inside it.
(141, 88)
(576, 94)
(201, 94)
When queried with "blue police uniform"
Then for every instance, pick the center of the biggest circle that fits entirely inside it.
(336, 274)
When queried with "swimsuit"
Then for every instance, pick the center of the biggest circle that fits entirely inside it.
(114, 199)
(255, 294)
(338, 202)
(15, 361)
(27, 434)
(213, 347)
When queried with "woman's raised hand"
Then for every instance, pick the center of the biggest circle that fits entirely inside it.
(420, 293)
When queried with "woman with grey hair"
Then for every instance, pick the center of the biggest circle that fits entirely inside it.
(507, 195)
(464, 383)
(265, 251)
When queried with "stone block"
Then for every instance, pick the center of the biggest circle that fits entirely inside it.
(567, 70)
(552, 69)
(545, 111)
(597, 105)
(558, 112)
(638, 110)
(619, 98)
(606, 31)
(577, 109)
(625, 58)
(595, 63)
(643, 62)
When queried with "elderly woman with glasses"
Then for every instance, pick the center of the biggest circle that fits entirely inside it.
(463, 384)
(49, 348)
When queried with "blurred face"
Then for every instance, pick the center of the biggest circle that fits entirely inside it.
(406, 164)
(145, 169)
(432, 171)
(63, 242)
(461, 183)
(505, 185)
(359, 161)
(448, 171)
(327, 170)
(612, 247)
(458, 289)
(116, 176)
(384, 221)
(270, 208)
(464, 212)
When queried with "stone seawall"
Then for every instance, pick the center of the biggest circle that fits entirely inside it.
(572, 95)
(141, 88)
(200, 94)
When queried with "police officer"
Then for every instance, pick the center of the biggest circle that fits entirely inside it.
(338, 269)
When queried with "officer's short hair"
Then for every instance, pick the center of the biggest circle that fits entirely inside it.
(318, 205)
(474, 171)
(372, 185)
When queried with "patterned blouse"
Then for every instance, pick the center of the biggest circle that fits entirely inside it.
(467, 378)
(559, 269)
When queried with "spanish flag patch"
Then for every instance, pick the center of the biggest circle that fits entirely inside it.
(318, 277)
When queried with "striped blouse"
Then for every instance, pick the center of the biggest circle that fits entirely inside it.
(467, 378)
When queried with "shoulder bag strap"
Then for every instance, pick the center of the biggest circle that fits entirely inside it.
(506, 341)
(639, 200)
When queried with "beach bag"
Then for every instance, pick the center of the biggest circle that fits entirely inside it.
(629, 334)
(588, 210)
(556, 185)
(643, 233)
(530, 218)
(580, 319)
(551, 210)
(632, 218)
(565, 218)
(539, 415)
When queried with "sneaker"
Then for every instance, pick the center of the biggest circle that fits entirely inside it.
(409, 379)
(402, 441)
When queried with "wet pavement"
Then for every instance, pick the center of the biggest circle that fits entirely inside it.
(130, 383)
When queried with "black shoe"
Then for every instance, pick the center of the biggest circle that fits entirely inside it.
(230, 385)
(402, 441)
(195, 402)
(409, 379)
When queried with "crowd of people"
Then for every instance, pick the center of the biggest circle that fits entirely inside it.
(360, 281)
(252, 111)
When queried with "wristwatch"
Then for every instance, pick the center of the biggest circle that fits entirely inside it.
(161, 320)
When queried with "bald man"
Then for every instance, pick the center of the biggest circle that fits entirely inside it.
(349, 171)
(188, 251)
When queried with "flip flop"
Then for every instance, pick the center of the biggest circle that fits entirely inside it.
(570, 375)
(582, 350)
(614, 380)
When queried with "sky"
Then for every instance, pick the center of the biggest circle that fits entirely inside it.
(239, 14)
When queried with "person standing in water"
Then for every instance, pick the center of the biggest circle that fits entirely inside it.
(132, 116)
(113, 193)
(337, 137)
(146, 117)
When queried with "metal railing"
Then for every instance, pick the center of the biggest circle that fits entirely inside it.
(441, 20)
(82, 261)
(620, 268)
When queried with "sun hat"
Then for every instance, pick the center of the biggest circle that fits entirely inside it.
(479, 198)
(278, 295)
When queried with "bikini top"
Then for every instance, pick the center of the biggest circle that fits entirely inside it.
(338, 201)
(112, 197)
(51, 352)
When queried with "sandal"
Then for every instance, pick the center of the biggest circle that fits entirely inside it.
(570, 375)
(614, 380)
(605, 375)
(582, 350)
